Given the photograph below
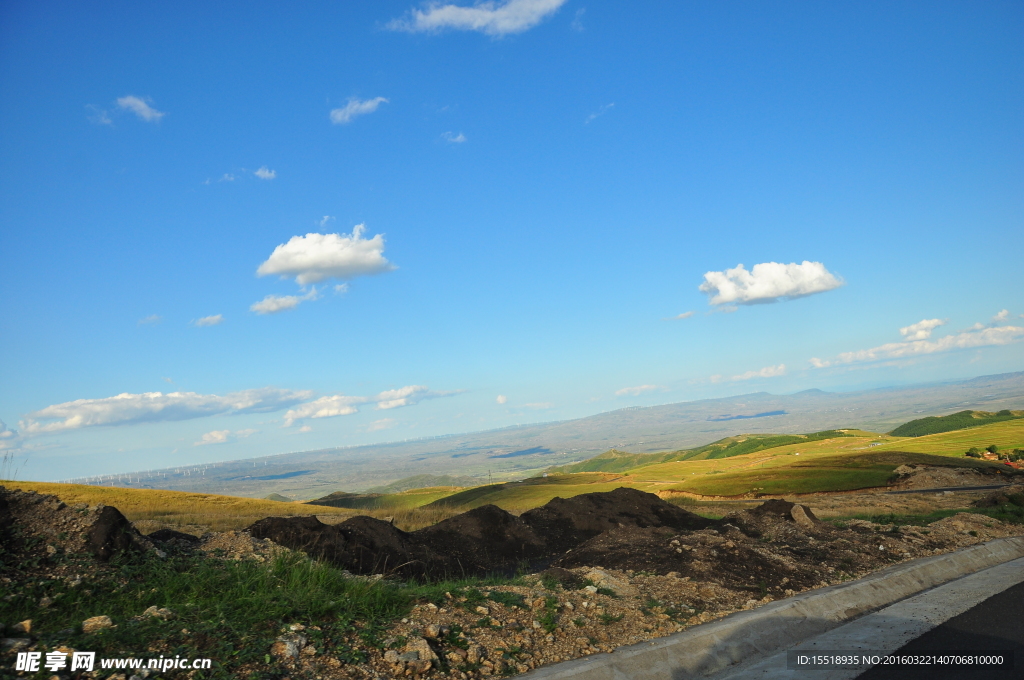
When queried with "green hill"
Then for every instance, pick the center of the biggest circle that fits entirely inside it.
(423, 481)
(621, 461)
(278, 497)
(954, 421)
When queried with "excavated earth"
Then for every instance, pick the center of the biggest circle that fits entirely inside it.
(610, 569)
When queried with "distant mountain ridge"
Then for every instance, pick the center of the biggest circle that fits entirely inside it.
(536, 447)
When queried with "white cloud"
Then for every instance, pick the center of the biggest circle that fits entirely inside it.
(766, 372)
(227, 177)
(304, 429)
(454, 138)
(408, 396)
(354, 108)
(209, 320)
(922, 330)
(265, 173)
(152, 318)
(1001, 316)
(148, 407)
(636, 391)
(322, 222)
(600, 112)
(324, 407)
(767, 282)
(341, 289)
(975, 336)
(501, 399)
(495, 17)
(140, 107)
(272, 304)
(214, 437)
(382, 424)
(684, 315)
(315, 257)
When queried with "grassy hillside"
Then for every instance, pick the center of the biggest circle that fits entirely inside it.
(423, 482)
(620, 461)
(175, 508)
(954, 421)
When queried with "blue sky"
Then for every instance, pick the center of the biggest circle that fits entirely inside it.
(554, 199)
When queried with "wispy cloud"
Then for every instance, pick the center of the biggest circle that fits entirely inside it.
(767, 282)
(577, 21)
(223, 437)
(149, 407)
(919, 343)
(637, 391)
(501, 399)
(495, 18)
(265, 173)
(408, 396)
(603, 109)
(453, 138)
(684, 315)
(98, 116)
(766, 372)
(209, 320)
(382, 424)
(355, 108)
(1001, 316)
(140, 107)
(227, 177)
(152, 318)
(272, 304)
(9, 438)
(315, 257)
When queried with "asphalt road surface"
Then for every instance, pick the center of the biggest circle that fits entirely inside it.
(997, 624)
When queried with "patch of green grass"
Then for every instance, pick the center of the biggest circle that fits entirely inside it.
(954, 421)
(608, 619)
(507, 599)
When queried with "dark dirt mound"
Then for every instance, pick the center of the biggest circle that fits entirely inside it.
(173, 537)
(780, 508)
(484, 539)
(567, 522)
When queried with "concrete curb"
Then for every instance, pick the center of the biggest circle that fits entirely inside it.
(758, 633)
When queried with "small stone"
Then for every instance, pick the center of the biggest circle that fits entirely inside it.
(45, 602)
(24, 627)
(309, 650)
(591, 589)
(391, 656)
(284, 650)
(50, 550)
(672, 574)
(160, 613)
(476, 654)
(432, 631)
(421, 647)
(14, 644)
(799, 515)
(483, 610)
(96, 623)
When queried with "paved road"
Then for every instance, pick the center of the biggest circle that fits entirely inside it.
(995, 624)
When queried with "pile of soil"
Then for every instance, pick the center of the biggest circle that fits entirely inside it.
(481, 541)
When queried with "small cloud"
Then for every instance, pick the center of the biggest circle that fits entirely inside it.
(152, 318)
(227, 177)
(242, 434)
(8, 437)
(922, 330)
(408, 396)
(214, 437)
(684, 315)
(140, 107)
(501, 399)
(168, 380)
(766, 372)
(315, 257)
(341, 289)
(322, 222)
(304, 429)
(265, 173)
(716, 378)
(1001, 316)
(767, 282)
(382, 424)
(209, 320)
(577, 21)
(453, 138)
(272, 304)
(495, 18)
(600, 112)
(354, 108)
(98, 116)
(636, 391)
(324, 407)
